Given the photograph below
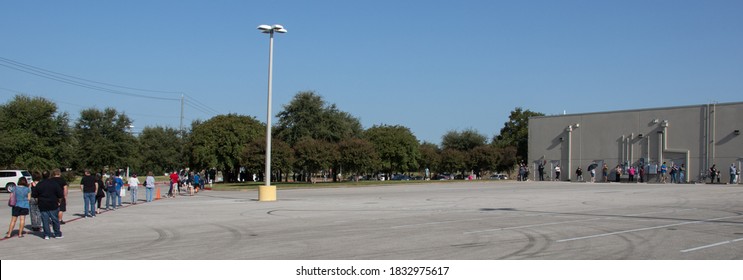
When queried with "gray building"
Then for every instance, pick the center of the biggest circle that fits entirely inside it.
(697, 136)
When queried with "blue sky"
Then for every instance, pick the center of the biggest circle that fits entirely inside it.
(432, 66)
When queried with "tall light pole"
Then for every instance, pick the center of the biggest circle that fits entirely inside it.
(268, 192)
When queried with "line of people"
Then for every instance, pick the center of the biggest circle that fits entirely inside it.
(193, 182)
(45, 199)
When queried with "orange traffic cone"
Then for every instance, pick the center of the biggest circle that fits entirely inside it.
(157, 194)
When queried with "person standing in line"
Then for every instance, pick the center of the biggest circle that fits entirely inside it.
(189, 183)
(521, 172)
(593, 175)
(119, 184)
(663, 173)
(618, 171)
(682, 174)
(557, 172)
(673, 173)
(202, 182)
(605, 173)
(49, 194)
(133, 187)
(541, 171)
(713, 173)
(34, 204)
(196, 183)
(89, 187)
(22, 195)
(579, 174)
(111, 195)
(100, 193)
(173, 184)
(631, 173)
(149, 184)
(642, 173)
(57, 178)
(732, 173)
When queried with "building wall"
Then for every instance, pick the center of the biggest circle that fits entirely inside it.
(651, 136)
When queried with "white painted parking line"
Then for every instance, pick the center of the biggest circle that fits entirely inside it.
(468, 220)
(647, 228)
(711, 245)
(577, 221)
(529, 226)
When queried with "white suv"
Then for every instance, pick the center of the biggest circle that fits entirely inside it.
(9, 178)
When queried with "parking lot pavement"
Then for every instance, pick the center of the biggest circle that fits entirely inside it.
(479, 220)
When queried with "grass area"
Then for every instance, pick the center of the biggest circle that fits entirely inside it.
(304, 185)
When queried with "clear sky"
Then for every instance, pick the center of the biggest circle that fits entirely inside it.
(432, 66)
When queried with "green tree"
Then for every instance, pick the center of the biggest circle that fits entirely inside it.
(219, 142)
(314, 155)
(34, 135)
(398, 148)
(506, 159)
(430, 156)
(307, 115)
(104, 140)
(483, 158)
(515, 132)
(160, 149)
(254, 157)
(357, 156)
(463, 141)
(454, 161)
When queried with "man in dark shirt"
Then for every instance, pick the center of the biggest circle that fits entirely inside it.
(48, 193)
(57, 178)
(89, 186)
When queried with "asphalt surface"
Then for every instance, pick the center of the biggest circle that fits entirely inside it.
(480, 220)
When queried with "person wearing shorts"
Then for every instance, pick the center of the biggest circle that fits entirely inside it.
(57, 178)
(22, 195)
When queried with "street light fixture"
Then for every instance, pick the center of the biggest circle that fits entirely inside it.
(268, 192)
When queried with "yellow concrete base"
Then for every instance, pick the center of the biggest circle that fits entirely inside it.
(267, 193)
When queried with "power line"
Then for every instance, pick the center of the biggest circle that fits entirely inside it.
(83, 79)
(202, 104)
(86, 83)
(199, 107)
(63, 78)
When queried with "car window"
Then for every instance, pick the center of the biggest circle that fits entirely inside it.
(26, 173)
(7, 174)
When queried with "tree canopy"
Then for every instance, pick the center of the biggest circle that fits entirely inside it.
(34, 135)
(399, 150)
(103, 140)
(160, 148)
(219, 141)
(307, 115)
(463, 141)
(357, 156)
(515, 132)
(311, 136)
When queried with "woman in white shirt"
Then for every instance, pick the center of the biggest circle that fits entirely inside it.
(133, 186)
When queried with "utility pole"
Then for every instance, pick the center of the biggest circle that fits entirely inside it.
(180, 128)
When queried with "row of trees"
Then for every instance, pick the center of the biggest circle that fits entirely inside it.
(311, 136)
